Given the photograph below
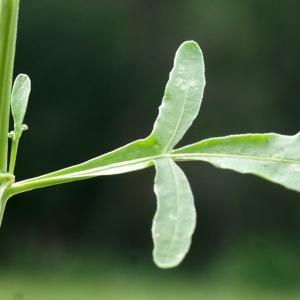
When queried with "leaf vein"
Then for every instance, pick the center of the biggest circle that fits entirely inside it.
(179, 120)
(188, 155)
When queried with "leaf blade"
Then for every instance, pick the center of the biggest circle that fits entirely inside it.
(271, 156)
(182, 97)
(131, 157)
(133, 151)
(19, 99)
(175, 218)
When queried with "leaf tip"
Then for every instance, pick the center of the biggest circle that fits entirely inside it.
(170, 262)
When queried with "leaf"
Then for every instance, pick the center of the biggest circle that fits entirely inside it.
(175, 218)
(180, 106)
(19, 99)
(182, 97)
(271, 156)
(134, 156)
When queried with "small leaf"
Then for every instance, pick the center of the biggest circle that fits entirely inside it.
(271, 156)
(175, 219)
(19, 99)
(182, 98)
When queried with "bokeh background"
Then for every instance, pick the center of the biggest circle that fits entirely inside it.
(98, 71)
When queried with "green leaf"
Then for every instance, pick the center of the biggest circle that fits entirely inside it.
(134, 156)
(182, 98)
(19, 99)
(175, 218)
(271, 156)
(180, 106)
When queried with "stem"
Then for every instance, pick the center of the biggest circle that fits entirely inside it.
(2, 211)
(13, 154)
(3, 197)
(8, 33)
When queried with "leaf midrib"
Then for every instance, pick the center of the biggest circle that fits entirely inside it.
(174, 156)
(273, 159)
(178, 122)
(175, 228)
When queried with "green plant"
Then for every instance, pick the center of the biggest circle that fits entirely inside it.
(271, 156)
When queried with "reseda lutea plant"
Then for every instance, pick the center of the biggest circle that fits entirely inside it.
(270, 156)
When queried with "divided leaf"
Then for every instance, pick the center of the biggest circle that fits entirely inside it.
(175, 218)
(271, 156)
(19, 99)
(182, 98)
(180, 106)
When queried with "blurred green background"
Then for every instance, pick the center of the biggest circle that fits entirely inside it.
(98, 71)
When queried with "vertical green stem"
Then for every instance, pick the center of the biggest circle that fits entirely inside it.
(8, 33)
(2, 211)
(3, 198)
(13, 155)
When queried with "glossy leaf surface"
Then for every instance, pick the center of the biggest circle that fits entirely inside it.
(271, 156)
(175, 218)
